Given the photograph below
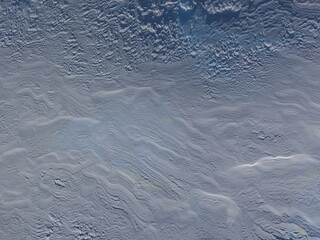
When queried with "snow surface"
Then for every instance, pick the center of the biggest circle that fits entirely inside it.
(180, 119)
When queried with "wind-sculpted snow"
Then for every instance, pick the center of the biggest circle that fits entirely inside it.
(279, 188)
(159, 120)
(143, 144)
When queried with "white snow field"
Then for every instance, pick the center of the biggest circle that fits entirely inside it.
(159, 120)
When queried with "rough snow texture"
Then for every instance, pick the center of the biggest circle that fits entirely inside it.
(137, 119)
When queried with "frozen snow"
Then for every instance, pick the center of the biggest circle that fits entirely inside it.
(159, 120)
